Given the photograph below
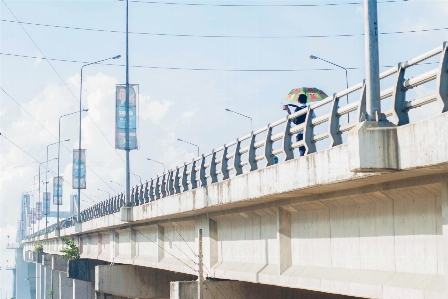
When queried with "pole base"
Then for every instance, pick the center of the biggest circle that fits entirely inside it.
(126, 214)
(57, 232)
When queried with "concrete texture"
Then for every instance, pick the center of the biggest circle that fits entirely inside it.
(83, 289)
(374, 235)
(83, 269)
(242, 290)
(65, 286)
(135, 282)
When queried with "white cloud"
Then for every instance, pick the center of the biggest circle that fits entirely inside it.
(153, 110)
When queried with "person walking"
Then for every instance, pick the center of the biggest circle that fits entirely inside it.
(302, 100)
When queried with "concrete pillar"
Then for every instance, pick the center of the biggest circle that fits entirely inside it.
(209, 241)
(284, 240)
(54, 287)
(135, 282)
(444, 197)
(32, 279)
(46, 282)
(39, 281)
(160, 242)
(83, 289)
(65, 286)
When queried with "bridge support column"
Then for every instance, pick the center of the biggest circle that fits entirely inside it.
(209, 241)
(54, 287)
(134, 282)
(65, 286)
(47, 282)
(83, 289)
(39, 281)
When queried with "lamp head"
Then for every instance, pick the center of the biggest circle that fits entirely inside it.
(179, 139)
(85, 110)
(227, 109)
(313, 57)
(67, 140)
(116, 57)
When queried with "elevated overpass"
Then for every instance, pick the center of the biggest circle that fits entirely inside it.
(366, 216)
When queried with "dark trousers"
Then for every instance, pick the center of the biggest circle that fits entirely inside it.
(302, 149)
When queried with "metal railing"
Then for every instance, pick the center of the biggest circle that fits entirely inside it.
(227, 160)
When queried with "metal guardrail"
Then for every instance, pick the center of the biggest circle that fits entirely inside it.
(204, 170)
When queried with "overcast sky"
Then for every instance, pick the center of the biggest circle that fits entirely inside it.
(174, 103)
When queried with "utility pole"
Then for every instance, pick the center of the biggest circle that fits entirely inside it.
(200, 270)
(128, 170)
(373, 100)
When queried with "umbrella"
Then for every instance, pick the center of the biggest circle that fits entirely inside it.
(312, 93)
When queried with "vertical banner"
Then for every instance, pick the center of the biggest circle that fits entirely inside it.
(46, 201)
(121, 124)
(33, 215)
(57, 190)
(79, 169)
(38, 210)
(26, 202)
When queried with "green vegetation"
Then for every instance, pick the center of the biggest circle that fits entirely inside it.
(38, 248)
(70, 250)
(50, 294)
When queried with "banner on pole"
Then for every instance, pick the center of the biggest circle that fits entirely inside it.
(46, 202)
(57, 190)
(125, 122)
(79, 169)
(38, 210)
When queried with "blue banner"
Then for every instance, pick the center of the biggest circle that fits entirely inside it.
(57, 190)
(46, 203)
(125, 122)
(79, 169)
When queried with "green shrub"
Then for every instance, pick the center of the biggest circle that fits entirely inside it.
(38, 247)
(70, 250)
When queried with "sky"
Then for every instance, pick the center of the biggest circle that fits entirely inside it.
(187, 76)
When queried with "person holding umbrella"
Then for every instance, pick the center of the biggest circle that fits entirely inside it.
(300, 94)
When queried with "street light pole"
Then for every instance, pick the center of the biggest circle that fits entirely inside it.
(157, 162)
(78, 199)
(346, 76)
(189, 143)
(128, 170)
(373, 100)
(251, 126)
(59, 153)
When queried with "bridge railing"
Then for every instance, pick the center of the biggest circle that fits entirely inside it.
(264, 144)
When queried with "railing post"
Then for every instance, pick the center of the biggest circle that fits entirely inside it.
(212, 171)
(308, 133)
(145, 192)
(268, 148)
(163, 185)
(194, 183)
(237, 158)
(157, 190)
(176, 181)
(399, 113)
(333, 123)
(185, 178)
(170, 182)
(252, 153)
(289, 152)
(141, 196)
(224, 164)
(442, 79)
(202, 172)
(151, 190)
(133, 192)
(362, 104)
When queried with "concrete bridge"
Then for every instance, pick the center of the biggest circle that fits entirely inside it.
(366, 217)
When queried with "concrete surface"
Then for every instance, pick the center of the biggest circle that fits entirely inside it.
(308, 223)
